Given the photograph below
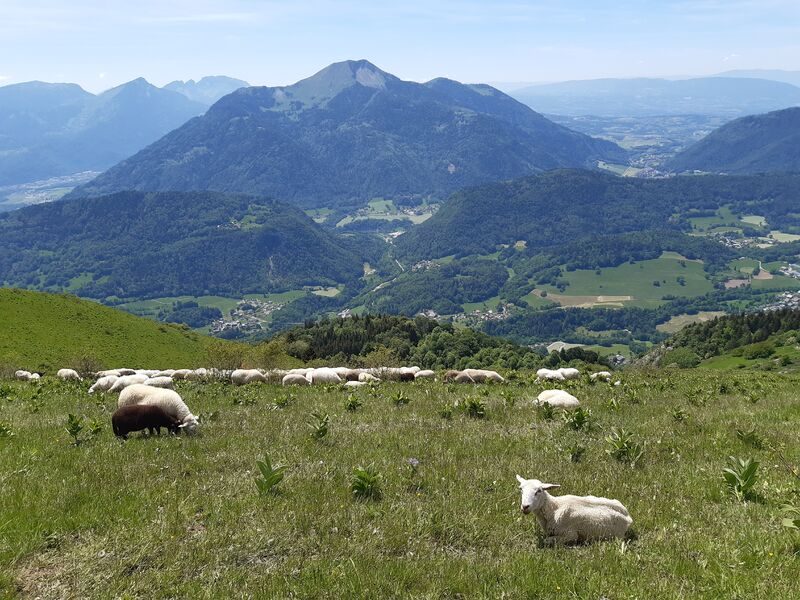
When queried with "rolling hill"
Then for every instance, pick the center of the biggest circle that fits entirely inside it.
(755, 144)
(723, 96)
(45, 332)
(49, 130)
(351, 133)
(207, 90)
(140, 245)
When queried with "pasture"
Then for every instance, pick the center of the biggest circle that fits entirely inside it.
(169, 517)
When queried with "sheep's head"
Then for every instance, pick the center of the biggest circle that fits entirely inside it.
(533, 493)
(190, 424)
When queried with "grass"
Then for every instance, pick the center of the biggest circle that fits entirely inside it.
(636, 280)
(678, 322)
(41, 331)
(181, 517)
(488, 304)
(723, 218)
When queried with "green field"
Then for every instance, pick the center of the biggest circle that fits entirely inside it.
(636, 280)
(723, 218)
(150, 308)
(180, 517)
(48, 331)
(488, 304)
(678, 322)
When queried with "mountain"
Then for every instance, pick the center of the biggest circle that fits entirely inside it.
(144, 245)
(756, 144)
(722, 96)
(790, 77)
(50, 130)
(46, 332)
(207, 90)
(351, 133)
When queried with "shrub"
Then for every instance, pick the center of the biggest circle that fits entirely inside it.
(352, 403)
(750, 438)
(366, 483)
(578, 419)
(759, 350)
(623, 447)
(683, 358)
(475, 408)
(740, 477)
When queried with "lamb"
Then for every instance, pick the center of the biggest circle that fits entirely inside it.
(557, 399)
(122, 382)
(160, 382)
(68, 375)
(103, 384)
(22, 375)
(600, 375)
(353, 384)
(570, 519)
(245, 376)
(295, 379)
(136, 417)
(168, 400)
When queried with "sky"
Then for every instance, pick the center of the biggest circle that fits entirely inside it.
(102, 43)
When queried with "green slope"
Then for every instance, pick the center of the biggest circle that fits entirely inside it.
(45, 332)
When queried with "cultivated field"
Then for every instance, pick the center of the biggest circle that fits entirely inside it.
(182, 517)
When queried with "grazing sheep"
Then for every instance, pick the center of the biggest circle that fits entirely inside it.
(181, 374)
(34, 377)
(463, 378)
(295, 379)
(122, 382)
(557, 399)
(68, 375)
(164, 373)
(245, 376)
(23, 375)
(600, 375)
(323, 375)
(368, 378)
(425, 374)
(451, 375)
(568, 519)
(168, 400)
(484, 375)
(103, 384)
(108, 373)
(197, 375)
(160, 382)
(123, 372)
(570, 373)
(549, 375)
(136, 417)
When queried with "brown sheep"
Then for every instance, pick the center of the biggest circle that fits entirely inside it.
(137, 417)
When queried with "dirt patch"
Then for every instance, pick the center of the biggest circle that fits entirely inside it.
(736, 283)
(763, 275)
(43, 576)
(589, 301)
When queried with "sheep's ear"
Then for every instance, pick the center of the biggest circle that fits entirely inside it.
(550, 486)
(521, 480)
(182, 425)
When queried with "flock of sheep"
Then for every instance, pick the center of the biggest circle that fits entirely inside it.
(147, 400)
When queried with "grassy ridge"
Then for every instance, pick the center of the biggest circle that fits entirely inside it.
(48, 331)
(181, 517)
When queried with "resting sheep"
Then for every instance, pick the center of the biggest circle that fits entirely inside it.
(295, 379)
(168, 400)
(557, 399)
(136, 417)
(600, 375)
(160, 382)
(569, 519)
(425, 374)
(368, 378)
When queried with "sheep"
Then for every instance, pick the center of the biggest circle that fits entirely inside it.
(197, 375)
(108, 373)
(483, 375)
(451, 375)
(353, 384)
(22, 375)
(368, 378)
(557, 399)
(424, 374)
(164, 373)
(136, 417)
(570, 373)
(295, 379)
(34, 377)
(169, 400)
(68, 375)
(122, 382)
(245, 376)
(463, 378)
(569, 519)
(600, 375)
(550, 375)
(103, 384)
(181, 374)
(160, 382)
(323, 375)
(123, 372)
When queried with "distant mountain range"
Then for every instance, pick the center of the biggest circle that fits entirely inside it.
(755, 144)
(722, 96)
(53, 129)
(351, 133)
(790, 77)
(207, 90)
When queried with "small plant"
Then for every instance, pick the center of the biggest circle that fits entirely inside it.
(284, 400)
(269, 477)
(509, 399)
(414, 483)
(753, 397)
(446, 411)
(74, 427)
(576, 452)
(244, 401)
(740, 477)
(400, 399)
(475, 408)
(366, 483)
(792, 518)
(5, 430)
(95, 427)
(206, 417)
(613, 403)
(319, 425)
(546, 411)
(750, 438)
(623, 447)
(679, 415)
(352, 403)
(578, 419)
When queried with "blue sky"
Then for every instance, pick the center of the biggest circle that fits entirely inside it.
(99, 44)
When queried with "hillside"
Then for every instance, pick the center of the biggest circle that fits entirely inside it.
(207, 90)
(352, 133)
(723, 96)
(755, 144)
(46, 332)
(141, 245)
(49, 130)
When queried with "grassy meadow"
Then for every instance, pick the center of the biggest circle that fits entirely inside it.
(182, 517)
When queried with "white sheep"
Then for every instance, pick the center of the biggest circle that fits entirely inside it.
(484, 375)
(160, 382)
(245, 376)
(122, 382)
(108, 373)
(354, 384)
(123, 372)
(323, 375)
(569, 519)
(557, 399)
(550, 375)
(22, 375)
(34, 377)
(295, 379)
(168, 400)
(103, 384)
(368, 378)
(197, 375)
(181, 374)
(164, 373)
(425, 374)
(601, 375)
(68, 375)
